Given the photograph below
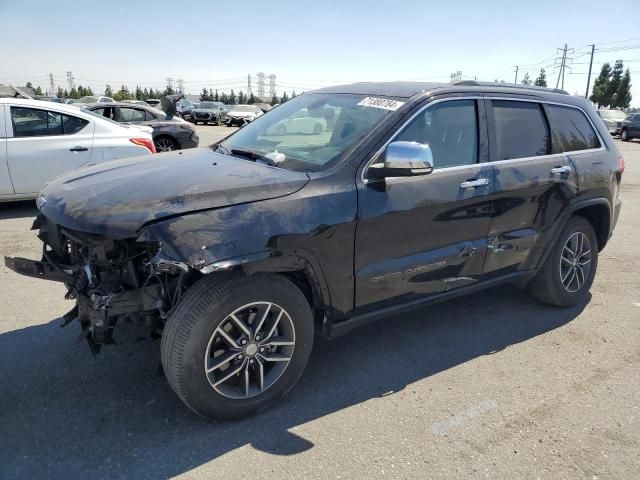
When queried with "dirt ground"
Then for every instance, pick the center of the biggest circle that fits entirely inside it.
(492, 385)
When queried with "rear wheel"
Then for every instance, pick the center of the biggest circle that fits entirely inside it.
(236, 345)
(568, 272)
(165, 143)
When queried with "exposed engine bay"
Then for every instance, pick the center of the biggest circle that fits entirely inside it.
(113, 281)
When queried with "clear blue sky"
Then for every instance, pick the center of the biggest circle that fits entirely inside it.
(309, 44)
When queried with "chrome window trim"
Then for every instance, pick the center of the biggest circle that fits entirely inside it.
(497, 162)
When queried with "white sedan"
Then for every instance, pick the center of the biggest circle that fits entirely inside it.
(299, 122)
(41, 140)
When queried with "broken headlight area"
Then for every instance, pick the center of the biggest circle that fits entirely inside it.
(115, 282)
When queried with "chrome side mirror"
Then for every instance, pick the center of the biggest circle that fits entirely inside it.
(404, 159)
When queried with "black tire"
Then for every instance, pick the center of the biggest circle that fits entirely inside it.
(547, 286)
(624, 135)
(207, 305)
(164, 143)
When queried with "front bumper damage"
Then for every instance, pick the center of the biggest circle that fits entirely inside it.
(112, 282)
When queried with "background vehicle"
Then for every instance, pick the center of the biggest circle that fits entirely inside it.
(95, 99)
(630, 127)
(209, 112)
(153, 102)
(136, 102)
(417, 192)
(184, 108)
(69, 101)
(46, 139)
(300, 122)
(169, 132)
(241, 114)
(612, 119)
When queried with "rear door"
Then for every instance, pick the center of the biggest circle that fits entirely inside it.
(418, 236)
(44, 143)
(533, 184)
(6, 188)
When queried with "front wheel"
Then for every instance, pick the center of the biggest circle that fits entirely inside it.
(236, 345)
(624, 135)
(568, 272)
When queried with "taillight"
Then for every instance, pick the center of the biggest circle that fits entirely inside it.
(621, 164)
(144, 142)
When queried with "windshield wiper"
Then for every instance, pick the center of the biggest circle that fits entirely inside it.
(251, 155)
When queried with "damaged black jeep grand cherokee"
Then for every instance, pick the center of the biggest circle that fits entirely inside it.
(373, 198)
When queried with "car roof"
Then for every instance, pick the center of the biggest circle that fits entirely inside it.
(412, 89)
(61, 107)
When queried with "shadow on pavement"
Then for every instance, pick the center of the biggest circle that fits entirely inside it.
(22, 209)
(71, 415)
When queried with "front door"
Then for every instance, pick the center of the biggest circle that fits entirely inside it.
(6, 187)
(422, 235)
(43, 144)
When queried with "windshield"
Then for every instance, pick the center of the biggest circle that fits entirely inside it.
(186, 103)
(310, 132)
(89, 100)
(207, 105)
(612, 114)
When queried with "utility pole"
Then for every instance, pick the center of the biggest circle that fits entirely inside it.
(181, 86)
(249, 85)
(593, 49)
(563, 63)
(456, 76)
(70, 80)
(516, 80)
(52, 86)
(260, 85)
(272, 85)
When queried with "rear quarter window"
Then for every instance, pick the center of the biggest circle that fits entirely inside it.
(571, 131)
(520, 130)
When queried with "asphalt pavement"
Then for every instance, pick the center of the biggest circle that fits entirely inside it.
(491, 385)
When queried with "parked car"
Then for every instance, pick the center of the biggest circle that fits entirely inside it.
(94, 99)
(242, 114)
(301, 122)
(630, 127)
(169, 132)
(209, 112)
(136, 102)
(419, 192)
(612, 119)
(69, 101)
(184, 108)
(40, 140)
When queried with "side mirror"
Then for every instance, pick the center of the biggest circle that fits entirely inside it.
(404, 159)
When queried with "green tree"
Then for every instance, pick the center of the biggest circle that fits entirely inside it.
(284, 98)
(252, 99)
(204, 96)
(108, 92)
(216, 97)
(599, 93)
(88, 91)
(275, 100)
(29, 85)
(623, 95)
(66, 94)
(145, 94)
(242, 99)
(293, 94)
(224, 98)
(73, 93)
(526, 80)
(541, 81)
(122, 94)
(232, 97)
(60, 93)
(614, 82)
(139, 94)
(37, 90)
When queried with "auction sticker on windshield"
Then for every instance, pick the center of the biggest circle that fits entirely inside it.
(384, 103)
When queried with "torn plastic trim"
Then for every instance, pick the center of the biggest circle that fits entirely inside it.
(233, 262)
(161, 263)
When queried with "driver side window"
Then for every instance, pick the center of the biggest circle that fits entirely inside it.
(450, 128)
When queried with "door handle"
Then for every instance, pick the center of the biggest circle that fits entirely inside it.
(560, 170)
(480, 182)
(78, 149)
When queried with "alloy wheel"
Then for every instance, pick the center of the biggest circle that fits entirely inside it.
(249, 350)
(575, 262)
(165, 145)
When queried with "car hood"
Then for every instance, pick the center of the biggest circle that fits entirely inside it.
(241, 114)
(204, 110)
(116, 199)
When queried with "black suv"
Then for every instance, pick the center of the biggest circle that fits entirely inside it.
(411, 193)
(630, 127)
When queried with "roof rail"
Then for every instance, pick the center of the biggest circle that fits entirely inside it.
(474, 83)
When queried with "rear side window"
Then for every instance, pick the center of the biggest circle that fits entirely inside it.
(570, 130)
(132, 115)
(451, 130)
(520, 130)
(31, 122)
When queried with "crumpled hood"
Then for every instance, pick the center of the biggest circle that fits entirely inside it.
(117, 198)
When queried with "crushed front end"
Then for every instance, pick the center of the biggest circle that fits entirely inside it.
(113, 281)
